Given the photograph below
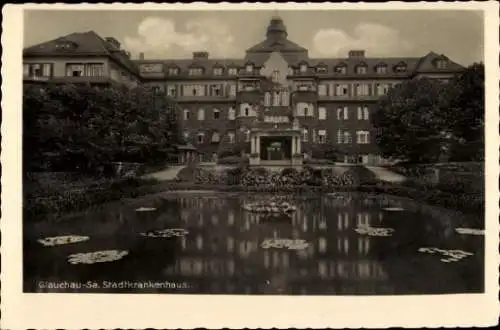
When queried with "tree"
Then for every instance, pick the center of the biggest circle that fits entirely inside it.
(463, 111)
(408, 123)
(84, 127)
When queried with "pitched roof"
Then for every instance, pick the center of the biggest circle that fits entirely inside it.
(270, 45)
(428, 64)
(84, 43)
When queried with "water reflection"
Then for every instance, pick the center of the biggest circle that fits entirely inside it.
(223, 254)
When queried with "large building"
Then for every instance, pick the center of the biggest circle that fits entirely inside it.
(276, 105)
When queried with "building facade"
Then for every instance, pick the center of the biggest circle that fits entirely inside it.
(275, 105)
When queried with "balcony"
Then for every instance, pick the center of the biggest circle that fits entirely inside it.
(348, 97)
(206, 98)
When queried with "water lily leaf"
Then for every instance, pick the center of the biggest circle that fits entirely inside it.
(469, 231)
(145, 209)
(453, 255)
(374, 231)
(393, 209)
(295, 244)
(62, 240)
(171, 232)
(96, 257)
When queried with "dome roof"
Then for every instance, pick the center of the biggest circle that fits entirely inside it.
(276, 28)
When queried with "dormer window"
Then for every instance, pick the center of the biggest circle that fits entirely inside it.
(441, 64)
(401, 67)
(232, 71)
(322, 69)
(381, 69)
(361, 69)
(173, 71)
(65, 46)
(218, 71)
(341, 69)
(249, 68)
(195, 71)
(303, 68)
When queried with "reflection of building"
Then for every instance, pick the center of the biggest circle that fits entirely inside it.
(227, 252)
(276, 104)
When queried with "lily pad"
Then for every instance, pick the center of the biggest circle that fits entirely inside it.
(62, 240)
(393, 209)
(145, 209)
(96, 257)
(469, 231)
(450, 255)
(171, 232)
(291, 244)
(374, 231)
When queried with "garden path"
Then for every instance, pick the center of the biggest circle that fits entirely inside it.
(169, 173)
(384, 174)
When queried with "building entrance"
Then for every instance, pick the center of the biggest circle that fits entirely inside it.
(275, 147)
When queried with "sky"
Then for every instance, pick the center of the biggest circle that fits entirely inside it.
(173, 34)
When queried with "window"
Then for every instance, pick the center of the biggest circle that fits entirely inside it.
(284, 97)
(201, 114)
(400, 68)
(382, 89)
(249, 68)
(342, 90)
(267, 99)
(216, 113)
(247, 111)
(341, 69)
(232, 90)
(232, 71)
(215, 137)
(347, 137)
(363, 113)
(230, 136)
(247, 135)
(305, 135)
(321, 136)
(361, 69)
(194, 90)
(321, 69)
(321, 113)
(442, 64)
(155, 89)
(215, 90)
(186, 135)
(231, 114)
(186, 114)
(362, 90)
(322, 89)
(195, 71)
(173, 71)
(171, 90)
(218, 71)
(200, 137)
(75, 70)
(276, 76)
(303, 68)
(343, 137)
(342, 113)
(276, 98)
(363, 137)
(94, 70)
(381, 69)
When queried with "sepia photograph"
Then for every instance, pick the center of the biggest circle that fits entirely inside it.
(253, 153)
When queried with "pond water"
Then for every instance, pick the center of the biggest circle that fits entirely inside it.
(207, 243)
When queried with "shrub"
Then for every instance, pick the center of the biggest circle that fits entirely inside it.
(233, 160)
(360, 175)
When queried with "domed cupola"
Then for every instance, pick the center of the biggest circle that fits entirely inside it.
(276, 29)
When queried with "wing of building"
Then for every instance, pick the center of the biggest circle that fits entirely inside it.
(276, 104)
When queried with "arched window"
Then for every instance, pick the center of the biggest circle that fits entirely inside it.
(276, 98)
(285, 98)
(267, 99)
(216, 113)
(200, 137)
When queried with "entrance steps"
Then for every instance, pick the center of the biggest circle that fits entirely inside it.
(383, 174)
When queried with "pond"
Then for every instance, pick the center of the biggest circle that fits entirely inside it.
(209, 243)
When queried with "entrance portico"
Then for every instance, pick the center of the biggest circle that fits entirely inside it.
(275, 147)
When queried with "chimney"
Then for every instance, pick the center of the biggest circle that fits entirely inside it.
(113, 41)
(141, 56)
(200, 55)
(357, 54)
